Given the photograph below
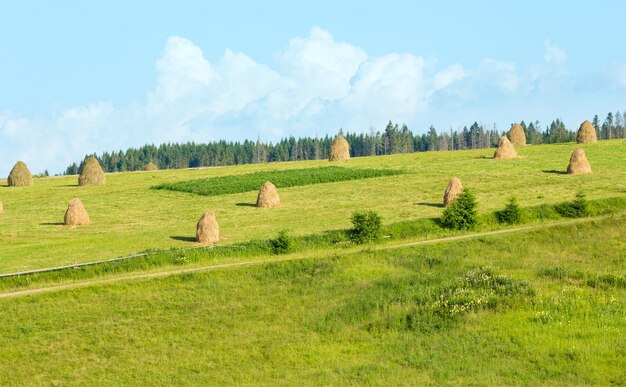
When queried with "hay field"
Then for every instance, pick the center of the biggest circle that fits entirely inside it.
(127, 216)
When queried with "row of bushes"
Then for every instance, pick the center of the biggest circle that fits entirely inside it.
(461, 214)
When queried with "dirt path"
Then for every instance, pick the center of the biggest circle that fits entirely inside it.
(139, 276)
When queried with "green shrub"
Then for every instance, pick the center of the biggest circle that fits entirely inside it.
(461, 214)
(511, 213)
(367, 227)
(577, 208)
(283, 243)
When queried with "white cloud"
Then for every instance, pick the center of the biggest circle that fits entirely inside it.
(320, 67)
(319, 85)
(393, 85)
(448, 76)
(553, 54)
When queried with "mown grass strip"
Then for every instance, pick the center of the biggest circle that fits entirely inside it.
(282, 179)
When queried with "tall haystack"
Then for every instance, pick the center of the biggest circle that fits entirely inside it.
(578, 163)
(518, 137)
(586, 134)
(505, 150)
(339, 149)
(76, 215)
(207, 230)
(268, 196)
(453, 190)
(150, 167)
(20, 176)
(92, 173)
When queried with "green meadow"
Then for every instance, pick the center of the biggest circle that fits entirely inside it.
(542, 307)
(128, 216)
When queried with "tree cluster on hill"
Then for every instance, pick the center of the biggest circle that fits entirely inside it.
(393, 139)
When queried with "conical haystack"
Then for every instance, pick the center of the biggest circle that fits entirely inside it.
(20, 176)
(586, 134)
(578, 163)
(268, 196)
(518, 137)
(505, 150)
(207, 230)
(76, 215)
(150, 167)
(453, 190)
(339, 149)
(92, 173)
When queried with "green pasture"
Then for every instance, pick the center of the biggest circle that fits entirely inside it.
(128, 216)
(546, 307)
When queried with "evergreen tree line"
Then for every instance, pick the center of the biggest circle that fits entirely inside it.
(393, 139)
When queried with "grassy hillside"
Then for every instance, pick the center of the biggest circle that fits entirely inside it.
(541, 307)
(128, 216)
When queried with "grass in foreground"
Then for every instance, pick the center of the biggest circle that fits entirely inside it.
(498, 310)
(224, 185)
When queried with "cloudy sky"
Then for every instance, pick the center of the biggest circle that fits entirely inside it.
(83, 77)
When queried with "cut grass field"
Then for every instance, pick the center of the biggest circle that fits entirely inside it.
(537, 307)
(127, 216)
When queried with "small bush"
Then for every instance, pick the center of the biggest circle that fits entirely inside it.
(577, 208)
(511, 213)
(283, 243)
(461, 214)
(367, 227)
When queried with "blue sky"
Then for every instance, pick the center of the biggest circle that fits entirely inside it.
(82, 77)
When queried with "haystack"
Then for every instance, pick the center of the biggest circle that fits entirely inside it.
(150, 167)
(505, 150)
(518, 137)
(339, 149)
(578, 163)
(268, 196)
(207, 230)
(586, 134)
(92, 173)
(453, 190)
(20, 176)
(76, 215)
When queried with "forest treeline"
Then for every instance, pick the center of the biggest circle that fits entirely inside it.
(393, 139)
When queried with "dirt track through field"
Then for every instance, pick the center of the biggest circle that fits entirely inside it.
(140, 276)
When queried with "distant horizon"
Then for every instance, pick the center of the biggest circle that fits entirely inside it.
(89, 78)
